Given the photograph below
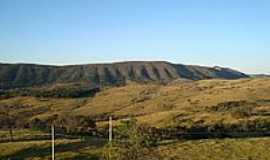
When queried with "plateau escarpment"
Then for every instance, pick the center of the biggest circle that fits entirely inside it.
(27, 75)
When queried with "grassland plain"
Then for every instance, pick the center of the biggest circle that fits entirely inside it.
(181, 103)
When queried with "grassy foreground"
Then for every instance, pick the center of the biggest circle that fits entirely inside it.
(221, 149)
(215, 149)
(37, 150)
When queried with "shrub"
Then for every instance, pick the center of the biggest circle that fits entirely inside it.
(131, 143)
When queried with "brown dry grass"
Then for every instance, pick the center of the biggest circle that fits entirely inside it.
(158, 105)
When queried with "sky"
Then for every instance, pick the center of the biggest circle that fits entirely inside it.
(228, 33)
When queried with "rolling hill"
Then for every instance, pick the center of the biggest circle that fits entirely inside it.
(180, 103)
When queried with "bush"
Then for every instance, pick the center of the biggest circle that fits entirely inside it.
(132, 143)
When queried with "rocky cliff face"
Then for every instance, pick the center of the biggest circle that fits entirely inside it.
(25, 75)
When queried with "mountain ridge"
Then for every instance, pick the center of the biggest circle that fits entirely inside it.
(102, 74)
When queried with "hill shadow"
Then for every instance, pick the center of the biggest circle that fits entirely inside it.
(36, 151)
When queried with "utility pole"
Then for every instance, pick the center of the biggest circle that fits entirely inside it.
(52, 129)
(110, 129)
(110, 136)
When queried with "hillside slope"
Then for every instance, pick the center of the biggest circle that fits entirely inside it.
(25, 75)
(179, 103)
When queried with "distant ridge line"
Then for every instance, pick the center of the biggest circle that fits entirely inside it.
(25, 75)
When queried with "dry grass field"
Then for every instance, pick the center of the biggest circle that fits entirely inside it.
(181, 103)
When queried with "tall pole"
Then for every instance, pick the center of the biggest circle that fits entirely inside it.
(110, 136)
(110, 129)
(52, 142)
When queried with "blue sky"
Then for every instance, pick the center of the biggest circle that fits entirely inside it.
(230, 33)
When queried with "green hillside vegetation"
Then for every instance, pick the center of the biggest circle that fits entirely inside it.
(60, 90)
